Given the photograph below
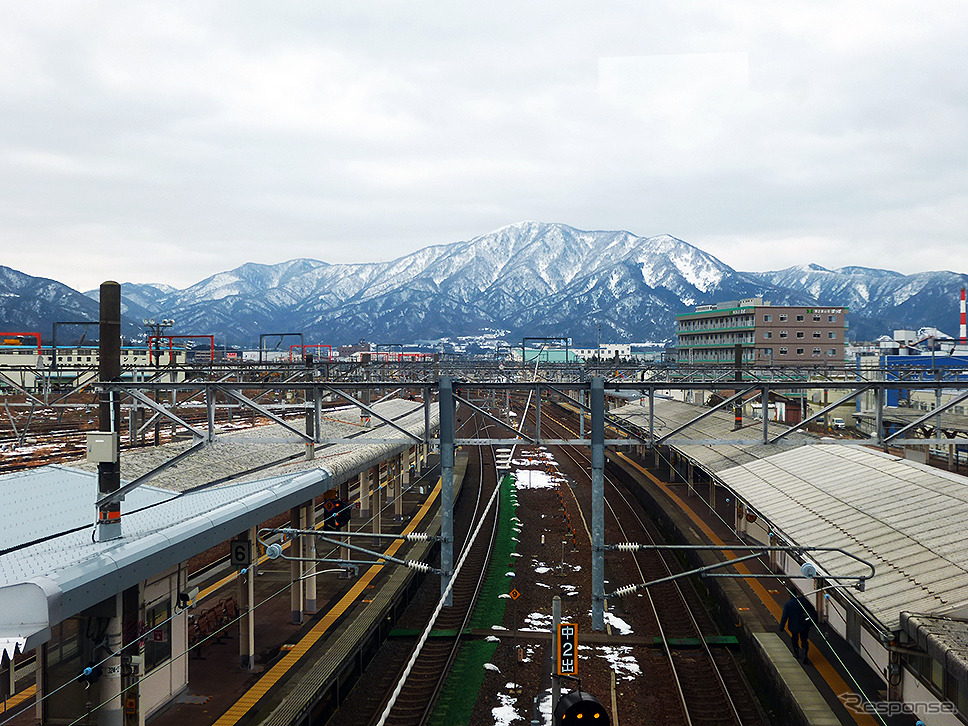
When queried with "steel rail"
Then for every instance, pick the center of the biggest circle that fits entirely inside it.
(666, 646)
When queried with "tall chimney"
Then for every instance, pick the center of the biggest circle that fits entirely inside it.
(963, 331)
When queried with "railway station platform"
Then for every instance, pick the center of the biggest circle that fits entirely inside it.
(305, 668)
(66, 596)
(299, 668)
(829, 689)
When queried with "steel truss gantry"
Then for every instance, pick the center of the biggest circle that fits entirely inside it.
(449, 393)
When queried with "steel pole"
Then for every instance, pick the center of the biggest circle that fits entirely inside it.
(446, 405)
(555, 680)
(109, 410)
(598, 502)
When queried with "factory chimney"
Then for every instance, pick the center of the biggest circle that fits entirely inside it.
(963, 330)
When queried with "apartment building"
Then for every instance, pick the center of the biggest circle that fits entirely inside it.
(769, 334)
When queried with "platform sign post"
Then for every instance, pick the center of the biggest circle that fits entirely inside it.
(241, 552)
(555, 622)
(567, 655)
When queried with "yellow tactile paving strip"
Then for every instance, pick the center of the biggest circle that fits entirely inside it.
(18, 698)
(251, 697)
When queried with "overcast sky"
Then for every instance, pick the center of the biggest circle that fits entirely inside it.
(167, 141)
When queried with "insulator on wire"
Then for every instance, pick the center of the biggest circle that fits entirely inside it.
(628, 547)
(627, 590)
(418, 566)
(418, 537)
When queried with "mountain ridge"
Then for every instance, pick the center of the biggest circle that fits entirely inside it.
(526, 278)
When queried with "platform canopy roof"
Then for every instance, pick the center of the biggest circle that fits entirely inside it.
(908, 519)
(51, 567)
(713, 443)
(944, 639)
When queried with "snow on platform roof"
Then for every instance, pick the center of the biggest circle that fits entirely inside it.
(244, 454)
(717, 427)
(906, 518)
(43, 583)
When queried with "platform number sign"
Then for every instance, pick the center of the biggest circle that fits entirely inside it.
(567, 649)
(241, 553)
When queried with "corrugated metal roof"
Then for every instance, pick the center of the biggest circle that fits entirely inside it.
(234, 453)
(944, 639)
(48, 499)
(907, 518)
(718, 426)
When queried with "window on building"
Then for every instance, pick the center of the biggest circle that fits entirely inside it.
(800, 351)
(158, 635)
(832, 351)
(783, 318)
(832, 335)
(816, 333)
(831, 318)
(783, 333)
(783, 351)
(768, 334)
(816, 318)
(799, 333)
(799, 318)
(767, 318)
(816, 352)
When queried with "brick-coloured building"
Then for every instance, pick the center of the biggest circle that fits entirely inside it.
(769, 334)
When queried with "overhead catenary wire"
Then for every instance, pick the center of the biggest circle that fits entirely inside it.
(783, 583)
(437, 610)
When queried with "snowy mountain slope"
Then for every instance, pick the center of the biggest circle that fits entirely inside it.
(880, 301)
(530, 278)
(34, 304)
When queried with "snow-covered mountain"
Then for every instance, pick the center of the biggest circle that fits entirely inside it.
(880, 301)
(34, 304)
(531, 279)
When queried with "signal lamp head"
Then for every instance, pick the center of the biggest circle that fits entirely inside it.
(577, 706)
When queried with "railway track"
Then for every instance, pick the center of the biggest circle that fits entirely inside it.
(707, 683)
(421, 688)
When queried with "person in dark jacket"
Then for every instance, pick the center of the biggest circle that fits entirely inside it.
(800, 615)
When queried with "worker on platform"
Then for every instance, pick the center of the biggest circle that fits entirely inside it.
(800, 615)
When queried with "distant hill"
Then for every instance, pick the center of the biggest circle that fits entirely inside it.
(530, 279)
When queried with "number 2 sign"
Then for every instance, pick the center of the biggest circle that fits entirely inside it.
(567, 649)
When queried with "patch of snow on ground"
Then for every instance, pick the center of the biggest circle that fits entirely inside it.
(538, 621)
(544, 707)
(534, 479)
(618, 624)
(506, 713)
(622, 661)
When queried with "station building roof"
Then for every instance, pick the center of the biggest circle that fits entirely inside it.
(907, 519)
(57, 573)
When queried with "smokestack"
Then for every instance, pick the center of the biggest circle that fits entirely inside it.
(963, 331)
